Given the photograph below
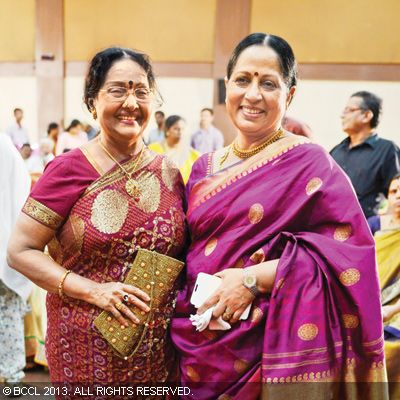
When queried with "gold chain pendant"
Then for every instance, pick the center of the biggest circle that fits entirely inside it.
(133, 189)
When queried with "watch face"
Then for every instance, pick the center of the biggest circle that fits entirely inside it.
(250, 280)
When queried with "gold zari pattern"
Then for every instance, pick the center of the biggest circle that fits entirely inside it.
(210, 246)
(109, 211)
(350, 276)
(307, 331)
(350, 321)
(258, 256)
(256, 315)
(342, 233)
(376, 373)
(313, 185)
(150, 192)
(42, 214)
(256, 213)
(169, 173)
(240, 366)
(192, 374)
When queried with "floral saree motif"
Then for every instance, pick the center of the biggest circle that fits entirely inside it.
(99, 227)
(322, 321)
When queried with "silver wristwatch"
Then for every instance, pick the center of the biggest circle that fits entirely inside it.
(250, 281)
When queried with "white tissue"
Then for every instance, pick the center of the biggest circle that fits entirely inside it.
(204, 320)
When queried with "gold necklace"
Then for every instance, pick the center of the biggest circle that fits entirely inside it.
(225, 156)
(132, 185)
(248, 153)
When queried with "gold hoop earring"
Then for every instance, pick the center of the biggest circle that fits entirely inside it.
(94, 113)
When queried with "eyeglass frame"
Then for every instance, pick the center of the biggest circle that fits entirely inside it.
(127, 92)
(347, 110)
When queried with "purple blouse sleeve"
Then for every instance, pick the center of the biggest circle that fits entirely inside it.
(62, 183)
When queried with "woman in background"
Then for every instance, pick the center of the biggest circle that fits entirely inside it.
(386, 230)
(73, 137)
(176, 146)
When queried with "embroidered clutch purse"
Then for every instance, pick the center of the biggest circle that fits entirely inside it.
(155, 274)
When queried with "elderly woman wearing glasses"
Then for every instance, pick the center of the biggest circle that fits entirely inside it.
(94, 207)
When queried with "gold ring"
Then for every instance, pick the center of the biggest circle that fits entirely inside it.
(126, 298)
(226, 316)
(119, 306)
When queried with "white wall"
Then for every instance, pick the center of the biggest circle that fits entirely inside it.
(19, 92)
(320, 103)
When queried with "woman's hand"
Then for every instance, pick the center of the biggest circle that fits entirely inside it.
(389, 311)
(231, 298)
(114, 297)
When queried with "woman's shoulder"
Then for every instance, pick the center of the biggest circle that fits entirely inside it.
(310, 150)
(73, 163)
(202, 164)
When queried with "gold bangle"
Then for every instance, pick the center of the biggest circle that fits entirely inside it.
(61, 284)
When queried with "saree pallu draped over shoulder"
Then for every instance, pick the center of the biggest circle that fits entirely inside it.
(97, 237)
(321, 325)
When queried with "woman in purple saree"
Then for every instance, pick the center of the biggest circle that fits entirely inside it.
(315, 314)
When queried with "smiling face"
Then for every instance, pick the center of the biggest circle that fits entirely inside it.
(126, 119)
(256, 94)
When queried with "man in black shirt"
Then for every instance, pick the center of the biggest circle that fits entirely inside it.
(370, 161)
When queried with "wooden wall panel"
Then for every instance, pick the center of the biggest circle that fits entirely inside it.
(49, 62)
(17, 30)
(339, 31)
(232, 25)
(173, 30)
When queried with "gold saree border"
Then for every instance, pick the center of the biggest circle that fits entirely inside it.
(316, 350)
(320, 350)
(376, 372)
(210, 186)
(42, 213)
(116, 173)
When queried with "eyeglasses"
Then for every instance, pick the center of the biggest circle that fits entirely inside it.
(121, 93)
(348, 110)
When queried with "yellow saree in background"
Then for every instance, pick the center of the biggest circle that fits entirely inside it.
(388, 254)
(35, 326)
(184, 161)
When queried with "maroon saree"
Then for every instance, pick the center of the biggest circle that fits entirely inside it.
(98, 228)
(322, 322)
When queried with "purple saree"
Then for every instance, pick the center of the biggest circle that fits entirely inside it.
(322, 321)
